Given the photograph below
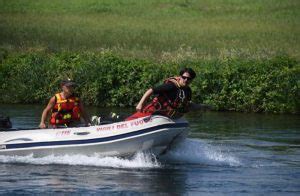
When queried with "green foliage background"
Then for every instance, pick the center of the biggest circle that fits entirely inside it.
(104, 79)
(160, 30)
(246, 52)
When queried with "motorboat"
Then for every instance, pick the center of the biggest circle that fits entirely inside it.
(155, 133)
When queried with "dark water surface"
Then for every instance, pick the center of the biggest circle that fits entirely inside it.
(225, 154)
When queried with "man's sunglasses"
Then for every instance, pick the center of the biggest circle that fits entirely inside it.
(186, 78)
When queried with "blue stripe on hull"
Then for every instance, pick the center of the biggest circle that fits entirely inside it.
(96, 140)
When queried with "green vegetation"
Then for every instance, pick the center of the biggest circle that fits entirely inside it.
(246, 52)
(162, 31)
(106, 80)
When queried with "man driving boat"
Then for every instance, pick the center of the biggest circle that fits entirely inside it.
(65, 107)
(172, 99)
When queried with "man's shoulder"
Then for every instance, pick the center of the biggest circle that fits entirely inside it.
(170, 86)
(165, 87)
(188, 88)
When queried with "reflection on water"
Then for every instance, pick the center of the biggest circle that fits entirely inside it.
(226, 153)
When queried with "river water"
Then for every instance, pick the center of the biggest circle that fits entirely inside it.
(225, 154)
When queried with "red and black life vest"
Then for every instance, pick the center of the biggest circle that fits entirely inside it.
(65, 111)
(164, 105)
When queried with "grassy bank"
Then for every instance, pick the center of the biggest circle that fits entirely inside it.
(246, 53)
(270, 85)
(163, 31)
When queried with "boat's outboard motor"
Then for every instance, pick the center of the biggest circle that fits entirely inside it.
(5, 123)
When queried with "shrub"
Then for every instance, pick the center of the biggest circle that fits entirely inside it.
(270, 85)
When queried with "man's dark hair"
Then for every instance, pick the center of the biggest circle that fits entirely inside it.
(189, 70)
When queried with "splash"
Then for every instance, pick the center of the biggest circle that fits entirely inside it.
(195, 151)
(190, 151)
(140, 160)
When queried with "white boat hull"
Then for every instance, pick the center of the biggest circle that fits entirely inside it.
(118, 139)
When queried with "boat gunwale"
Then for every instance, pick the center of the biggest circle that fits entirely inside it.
(91, 141)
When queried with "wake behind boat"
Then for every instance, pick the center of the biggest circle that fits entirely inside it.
(124, 138)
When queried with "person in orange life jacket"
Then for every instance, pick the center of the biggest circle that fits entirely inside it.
(66, 108)
(172, 99)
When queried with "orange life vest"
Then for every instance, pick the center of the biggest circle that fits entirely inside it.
(163, 105)
(65, 111)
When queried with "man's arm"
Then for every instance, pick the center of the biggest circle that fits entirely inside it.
(143, 100)
(46, 112)
(163, 88)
